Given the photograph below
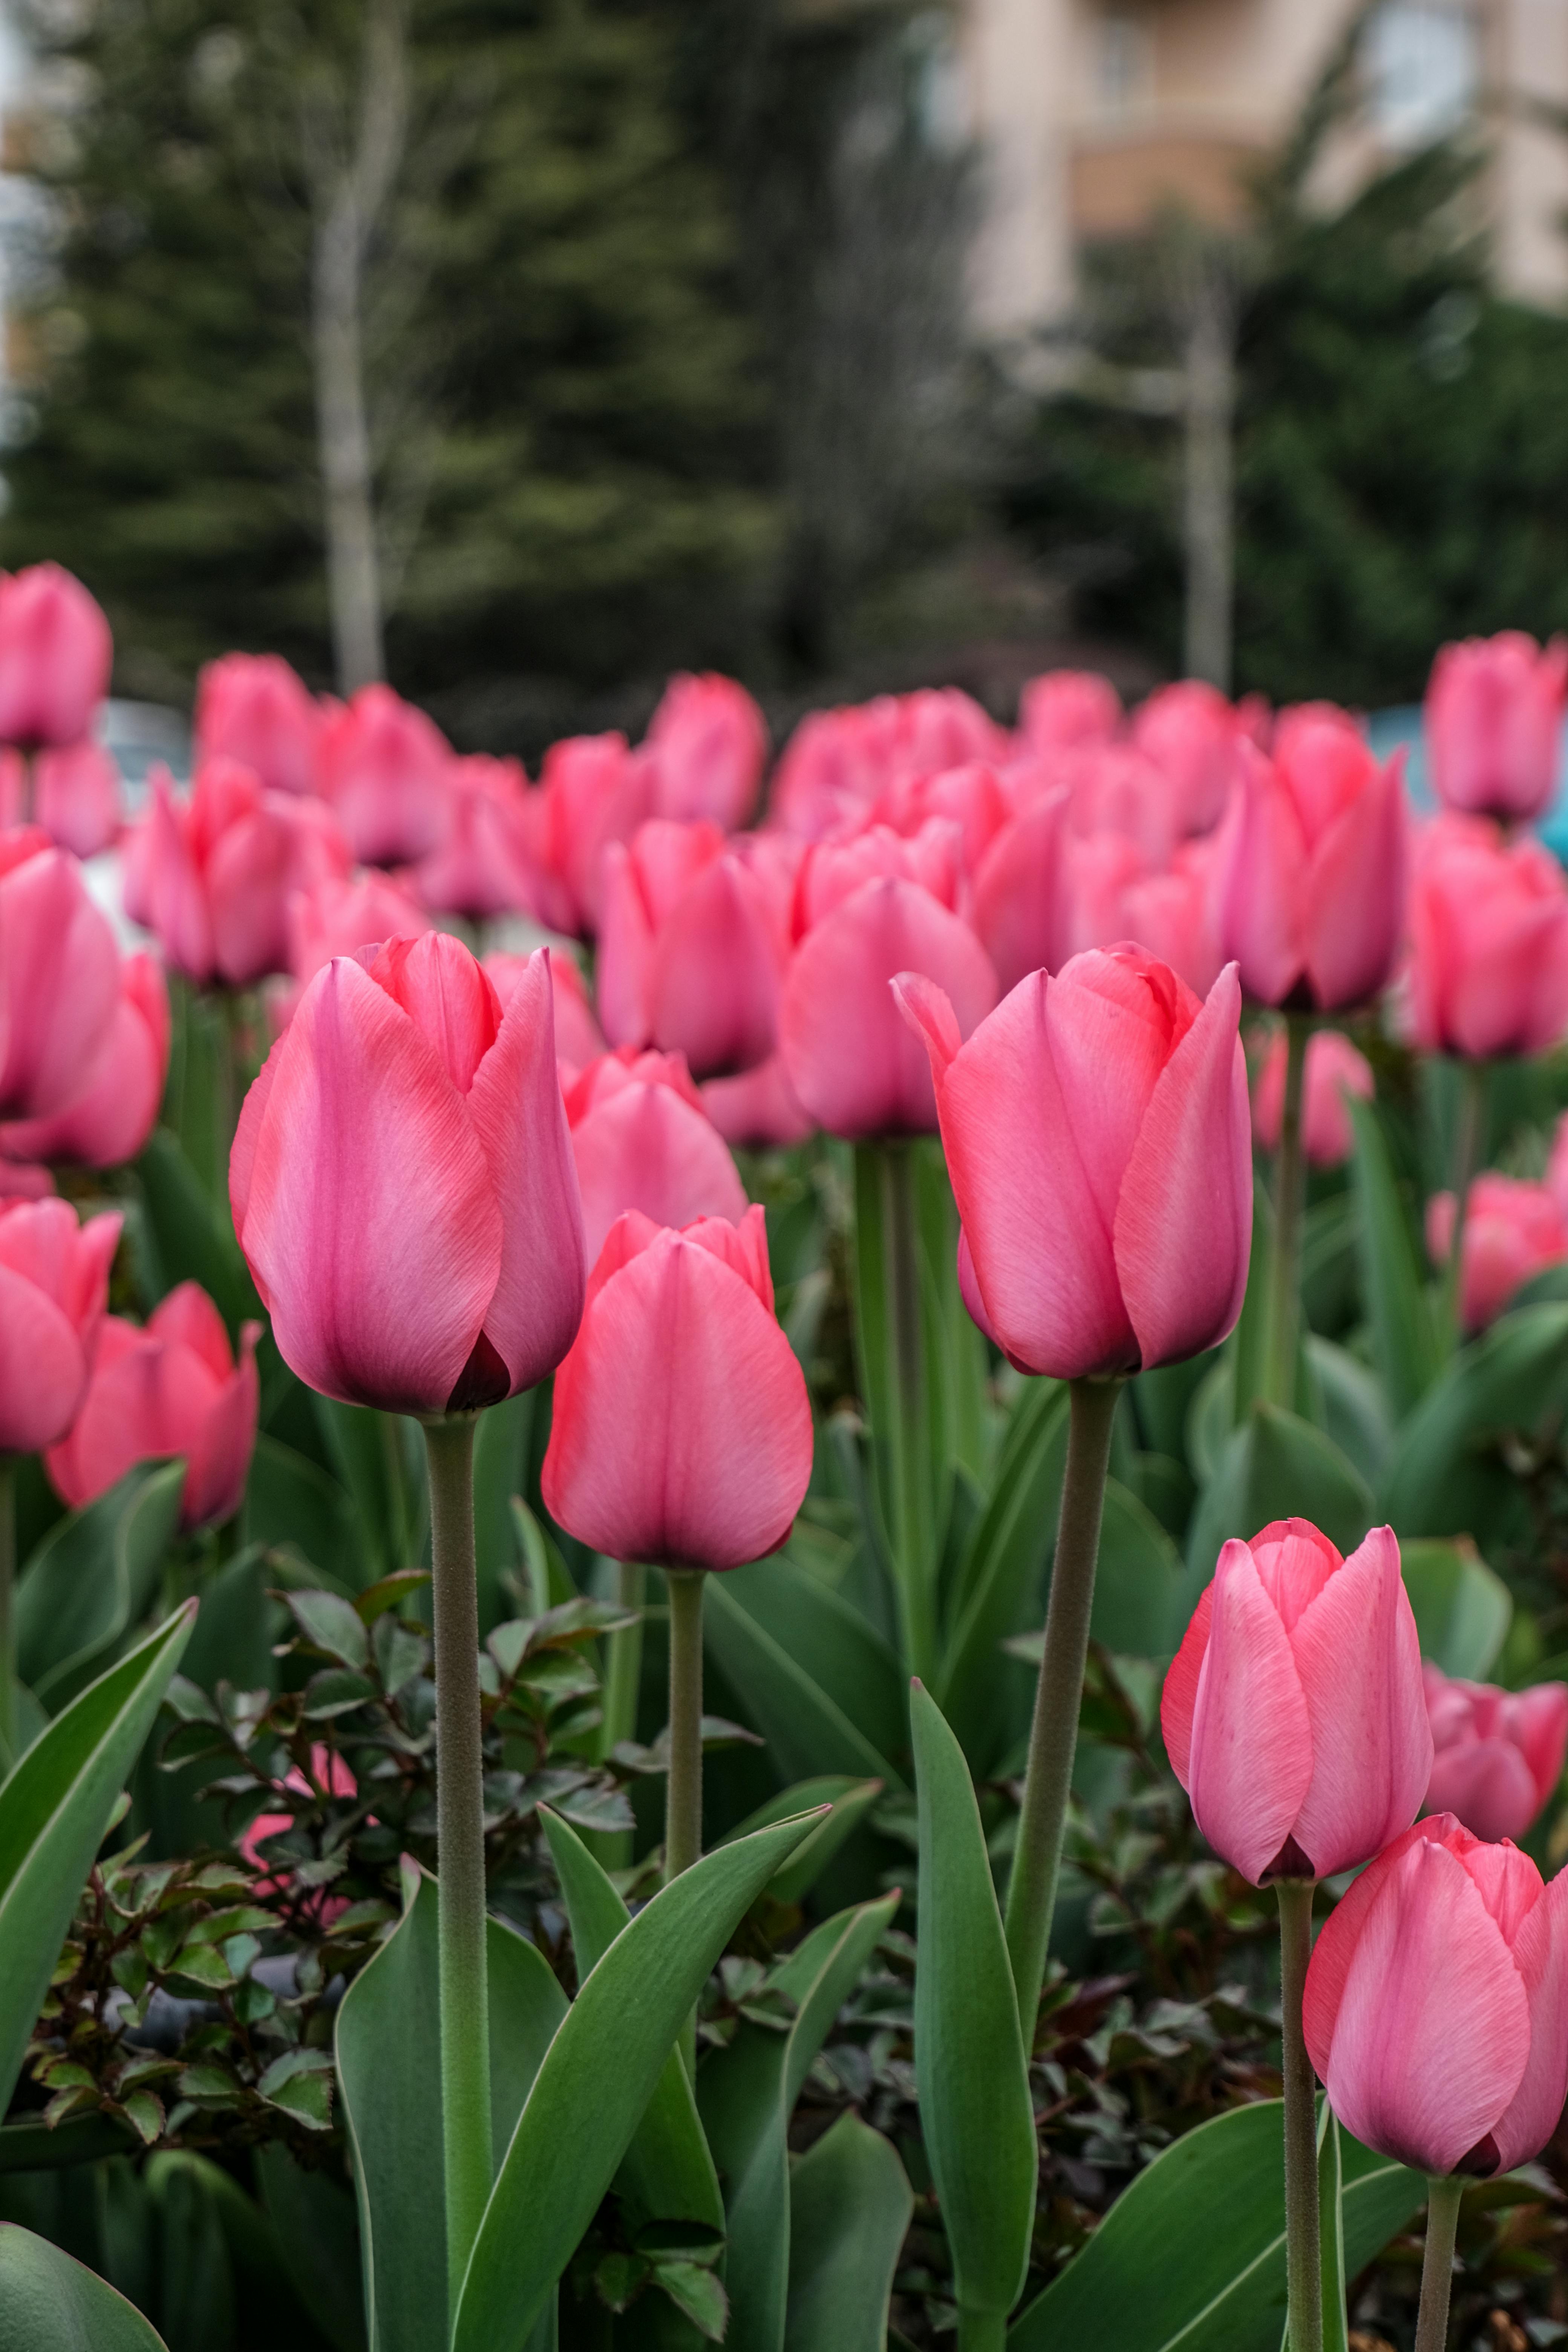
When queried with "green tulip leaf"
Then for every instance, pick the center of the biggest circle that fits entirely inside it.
(1352, 1408)
(1393, 1273)
(1138, 1585)
(849, 2209)
(1447, 1473)
(54, 1811)
(830, 1639)
(49, 2303)
(291, 1501)
(594, 2087)
(1462, 1608)
(92, 1578)
(807, 1730)
(851, 1800)
(318, 2240)
(975, 2108)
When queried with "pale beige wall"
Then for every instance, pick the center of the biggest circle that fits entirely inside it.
(1527, 51)
(1016, 63)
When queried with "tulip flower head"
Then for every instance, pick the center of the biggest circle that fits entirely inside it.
(1494, 719)
(1489, 929)
(592, 790)
(107, 1122)
(1194, 734)
(689, 948)
(481, 866)
(1293, 1712)
(75, 795)
(384, 766)
(642, 1139)
(1498, 1753)
(1513, 1230)
(55, 652)
(175, 1388)
(1437, 2002)
(1023, 909)
(708, 743)
(403, 1187)
(1335, 1072)
(212, 876)
(1066, 709)
(1097, 1134)
(254, 708)
(59, 978)
(53, 1287)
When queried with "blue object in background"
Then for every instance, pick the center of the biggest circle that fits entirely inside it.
(1387, 729)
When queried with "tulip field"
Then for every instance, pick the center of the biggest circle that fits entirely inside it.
(784, 1529)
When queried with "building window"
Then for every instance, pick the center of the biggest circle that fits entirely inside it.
(1421, 70)
(1122, 64)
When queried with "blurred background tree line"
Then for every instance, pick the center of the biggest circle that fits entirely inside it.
(525, 349)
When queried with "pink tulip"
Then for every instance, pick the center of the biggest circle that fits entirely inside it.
(1557, 1165)
(1488, 924)
(72, 793)
(1066, 709)
(213, 874)
(108, 1122)
(56, 652)
(1118, 789)
(333, 1778)
(336, 916)
(59, 978)
(172, 1389)
(578, 1037)
(1513, 1230)
(689, 948)
(1437, 2003)
(1499, 1753)
(403, 1187)
(708, 745)
(254, 708)
(1097, 1135)
(1494, 723)
(483, 864)
(1313, 900)
(759, 1111)
(837, 762)
(681, 1432)
(1023, 891)
(1334, 1072)
(53, 1287)
(1191, 733)
(973, 798)
(1293, 1712)
(1175, 914)
(384, 767)
(873, 909)
(592, 790)
(642, 1139)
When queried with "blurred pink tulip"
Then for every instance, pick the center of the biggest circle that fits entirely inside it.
(1498, 1753)
(1116, 788)
(72, 793)
(973, 798)
(53, 1287)
(680, 1433)
(592, 790)
(1023, 892)
(642, 1139)
(254, 708)
(708, 743)
(108, 1122)
(212, 876)
(403, 1186)
(1513, 1230)
(333, 1778)
(384, 768)
(1192, 734)
(483, 864)
(874, 908)
(1293, 1712)
(1494, 724)
(1097, 1135)
(759, 1111)
(337, 916)
(1066, 709)
(56, 652)
(1437, 2003)
(578, 1037)
(689, 948)
(59, 978)
(172, 1389)
(839, 762)
(1489, 925)
(1334, 1072)
(1175, 914)
(1313, 900)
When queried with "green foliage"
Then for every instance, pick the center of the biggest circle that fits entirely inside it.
(51, 2304)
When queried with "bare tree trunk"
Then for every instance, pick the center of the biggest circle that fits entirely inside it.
(1210, 519)
(349, 193)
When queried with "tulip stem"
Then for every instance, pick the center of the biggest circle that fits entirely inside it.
(1469, 1136)
(1438, 2264)
(683, 1789)
(7, 1612)
(1303, 2270)
(1053, 1735)
(461, 1834)
(891, 1342)
(981, 2331)
(1289, 1200)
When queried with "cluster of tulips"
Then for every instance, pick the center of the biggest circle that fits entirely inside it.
(458, 1175)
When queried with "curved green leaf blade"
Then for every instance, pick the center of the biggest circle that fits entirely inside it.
(1160, 2275)
(1462, 1608)
(92, 1578)
(1138, 1583)
(850, 1801)
(830, 1639)
(807, 1731)
(54, 1811)
(1447, 1474)
(595, 2083)
(666, 2173)
(849, 2208)
(975, 2108)
(1405, 1343)
(48, 2302)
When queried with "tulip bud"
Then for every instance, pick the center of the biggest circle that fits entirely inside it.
(403, 1187)
(1293, 1712)
(641, 1140)
(75, 795)
(1097, 1135)
(1498, 1754)
(682, 1431)
(1191, 733)
(1066, 709)
(56, 652)
(708, 744)
(1335, 1071)
(213, 874)
(172, 1389)
(54, 1286)
(483, 864)
(689, 948)
(384, 767)
(1488, 931)
(109, 1121)
(254, 708)
(1513, 1230)
(1437, 2003)
(1494, 724)
(59, 978)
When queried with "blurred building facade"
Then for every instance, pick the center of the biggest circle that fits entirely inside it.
(1093, 115)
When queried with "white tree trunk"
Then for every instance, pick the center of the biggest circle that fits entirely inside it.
(1210, 517)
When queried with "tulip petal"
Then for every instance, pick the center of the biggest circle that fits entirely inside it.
(1540, 1953)
(188, 1319)
(1249, 1764)
(220, 1452)
(1184, 1221)
(1540, 1727)
(449, 996)
(1486, 1784)
(369, 1210)
(1433, 2030)
(626, 950)
(1180, 1695)
(1265, 900)
(1335, 1947)
(714, 979)
(59, 981)
(1355, 895)
(1022, 906)
(43, 1371)
(516, 1113)
(1359, 1658)
(741, 1247)
(647, 1147)
(1114, 1017)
